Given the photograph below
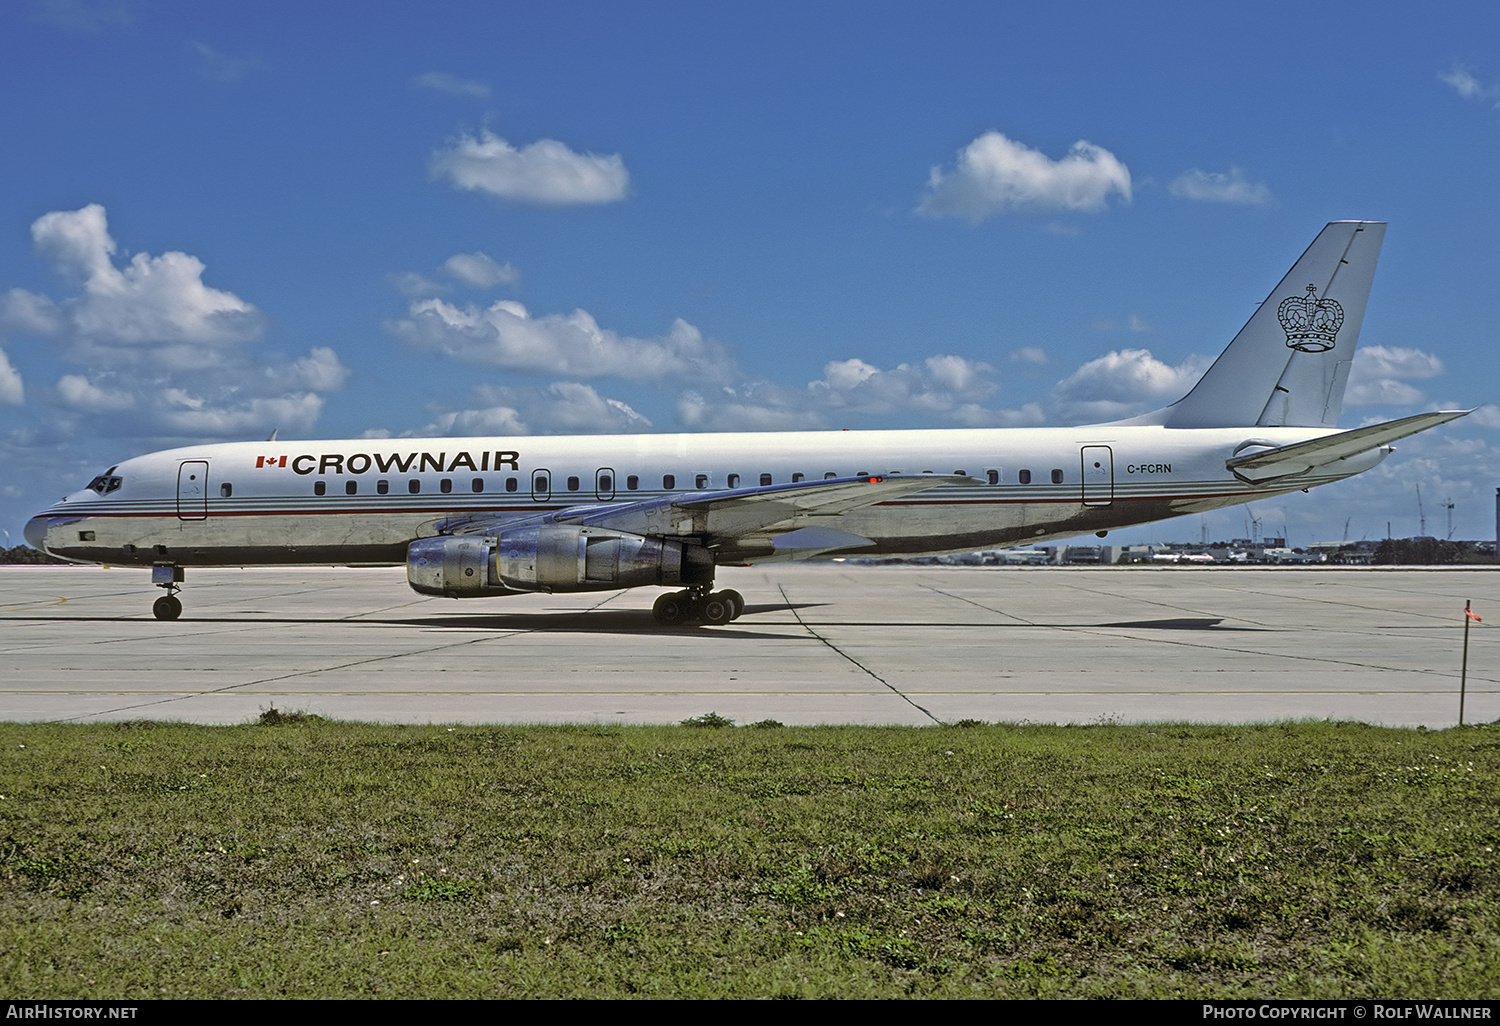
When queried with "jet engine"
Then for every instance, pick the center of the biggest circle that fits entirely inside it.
(552, 558)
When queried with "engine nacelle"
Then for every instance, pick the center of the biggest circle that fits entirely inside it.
(552, 558)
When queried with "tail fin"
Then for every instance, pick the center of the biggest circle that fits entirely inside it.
(1290, 362)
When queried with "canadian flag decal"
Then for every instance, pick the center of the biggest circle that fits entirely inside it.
(270, 461)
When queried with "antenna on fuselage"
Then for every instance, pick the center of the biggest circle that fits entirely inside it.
(272, 436)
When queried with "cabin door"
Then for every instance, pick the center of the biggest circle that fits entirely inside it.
(1098, 475)
(192, 490)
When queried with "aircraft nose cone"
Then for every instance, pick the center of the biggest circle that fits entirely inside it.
(36, 532)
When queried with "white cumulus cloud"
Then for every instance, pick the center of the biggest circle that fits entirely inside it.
(11, 391)
(84, 15)
(943, 389)
(222, 67)
(162, 354)
(1487, 415)
(190, 416)
(443, 82)
(1122, 383)
(480, 271)
(571, 345)
(995, 174)
(320, 370)
(159, 303)
(472, 270)
(545, 172)
(563, 407)
(1463, 82)
(939, 384)
(1380, 374)
(1220, 187)
(759, 406)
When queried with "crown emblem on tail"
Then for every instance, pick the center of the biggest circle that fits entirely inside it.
(1311, 324)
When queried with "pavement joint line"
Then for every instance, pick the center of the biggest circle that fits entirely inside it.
(1322, 600)
(1381, 648)
(1293, 656)
(325, 669)
(230, 693)
(781, 588)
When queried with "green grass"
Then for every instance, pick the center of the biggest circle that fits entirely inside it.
(306, 858)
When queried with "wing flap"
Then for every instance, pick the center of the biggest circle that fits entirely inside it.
(722, 516)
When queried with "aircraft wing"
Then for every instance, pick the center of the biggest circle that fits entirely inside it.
(1301, 457)
(784, 516)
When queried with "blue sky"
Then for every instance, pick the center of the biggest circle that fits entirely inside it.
(341, 219)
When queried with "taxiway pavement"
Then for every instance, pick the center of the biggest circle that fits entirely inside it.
(834, 643)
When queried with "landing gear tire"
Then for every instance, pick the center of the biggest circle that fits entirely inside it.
(734, 597)
(717, 609)
(672, 608)
(168, 607)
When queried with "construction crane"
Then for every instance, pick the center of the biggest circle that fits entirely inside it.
(1449, 507)
(1421, 515)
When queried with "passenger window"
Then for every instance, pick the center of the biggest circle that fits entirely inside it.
(226, 490)
(510, 484)
(632, 482)
(414, 486)
(830, 474)
(669, 481)
(320, 487)
(992, 476)
(702, 481)
(383, 486)
(478, 484)
(606, 483)
(796, 478)
(445, 485)
(572, 484)
(765, 479)
(733, 480)
(1057, 477)
(1023, 476)
(351, 487)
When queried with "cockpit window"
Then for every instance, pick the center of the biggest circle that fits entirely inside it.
(105, 482)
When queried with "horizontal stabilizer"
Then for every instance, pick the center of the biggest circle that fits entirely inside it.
(1301, 457)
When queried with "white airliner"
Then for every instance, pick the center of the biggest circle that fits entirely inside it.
(499, 516)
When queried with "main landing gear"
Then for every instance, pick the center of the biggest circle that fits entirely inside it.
(169, 606)
(714, 608)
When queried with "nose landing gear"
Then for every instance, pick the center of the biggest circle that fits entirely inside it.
(169, 606)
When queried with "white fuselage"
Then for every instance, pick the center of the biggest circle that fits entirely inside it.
(362, 501)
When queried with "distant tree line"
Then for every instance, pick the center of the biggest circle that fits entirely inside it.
(1427, 552)
(27, 554)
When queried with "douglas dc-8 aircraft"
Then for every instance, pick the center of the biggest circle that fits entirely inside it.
(501, 516)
